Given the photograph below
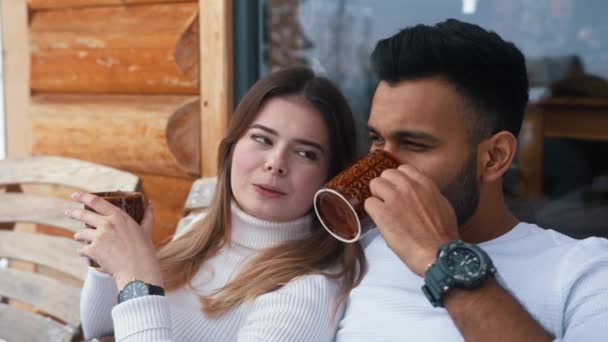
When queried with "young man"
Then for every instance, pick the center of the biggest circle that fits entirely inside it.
(450, 105)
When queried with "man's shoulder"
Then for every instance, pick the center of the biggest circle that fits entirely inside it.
(554, 250)
(590, 245)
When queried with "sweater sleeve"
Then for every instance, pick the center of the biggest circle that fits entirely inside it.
(97, 298)
(142, 319)
(586, 289)
(303, 310)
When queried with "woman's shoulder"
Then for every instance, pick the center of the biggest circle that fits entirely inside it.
(313, 284)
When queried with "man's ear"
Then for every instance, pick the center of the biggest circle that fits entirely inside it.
(495, 155)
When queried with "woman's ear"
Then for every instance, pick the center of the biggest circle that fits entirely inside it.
(496, 155)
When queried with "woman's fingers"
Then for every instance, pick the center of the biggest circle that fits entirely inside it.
(91, 218)
(98, 204)
(147, 223)
(86, 235)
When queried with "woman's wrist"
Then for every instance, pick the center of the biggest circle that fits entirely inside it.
(150, 277)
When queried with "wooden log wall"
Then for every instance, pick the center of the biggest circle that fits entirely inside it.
(117, 82)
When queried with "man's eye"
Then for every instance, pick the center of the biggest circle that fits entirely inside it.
(261, 139)
(308, 154)
(414, 145)
(376, 139)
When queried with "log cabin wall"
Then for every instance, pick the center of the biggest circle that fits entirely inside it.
(117, 82)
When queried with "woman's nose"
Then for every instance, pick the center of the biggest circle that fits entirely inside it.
(275, 164)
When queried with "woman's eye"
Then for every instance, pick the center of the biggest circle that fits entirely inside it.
(308, 155)
(261, 139)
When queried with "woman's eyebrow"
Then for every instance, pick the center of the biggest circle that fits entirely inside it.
(310, 143)
(299, 141)
(264, 128)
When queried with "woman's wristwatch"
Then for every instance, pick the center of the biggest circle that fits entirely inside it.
(137, 288)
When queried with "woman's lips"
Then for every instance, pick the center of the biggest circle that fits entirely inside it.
(268, 191)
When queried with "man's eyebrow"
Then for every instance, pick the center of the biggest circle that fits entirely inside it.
(408, 134)
(417, 135)
(299, 141)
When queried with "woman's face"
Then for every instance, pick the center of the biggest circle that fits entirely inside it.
(281, 160)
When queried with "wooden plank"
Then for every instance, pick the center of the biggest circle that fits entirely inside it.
(576, 102)
(116, 49)
(49, 295)
(530, 163)
(16, 72)
(201, 193)
(216, 78)
(169, 196)
(65, 171)
(55, 4)
(18, 207)
(149, 134)
(577, 123)
(19, 325)
(51, 251)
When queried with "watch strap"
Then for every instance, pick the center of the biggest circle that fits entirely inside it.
(436, 284)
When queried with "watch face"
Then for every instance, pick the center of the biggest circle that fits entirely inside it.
(135, 289)
(463, 263)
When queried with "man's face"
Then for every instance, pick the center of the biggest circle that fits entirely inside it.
(423, 123)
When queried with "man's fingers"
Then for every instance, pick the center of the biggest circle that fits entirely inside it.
(382, 189)
(416, 176)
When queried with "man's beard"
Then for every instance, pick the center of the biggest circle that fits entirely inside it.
(463, 191)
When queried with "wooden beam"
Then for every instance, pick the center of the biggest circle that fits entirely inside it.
(149, 49)
(216, 78)
(68, 172)
(531, 140)
(16, 73)
(54, 4)
(169, 196)
(148, 134)
(21, 325)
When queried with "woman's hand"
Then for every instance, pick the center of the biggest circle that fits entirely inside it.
(119, 245)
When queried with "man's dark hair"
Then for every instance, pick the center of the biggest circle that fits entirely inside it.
(487, 71)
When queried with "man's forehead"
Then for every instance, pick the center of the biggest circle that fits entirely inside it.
(428, 105)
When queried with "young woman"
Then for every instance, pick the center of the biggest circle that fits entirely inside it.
(258, 266)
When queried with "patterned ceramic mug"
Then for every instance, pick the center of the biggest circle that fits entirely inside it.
(339, 204)
(130, 202)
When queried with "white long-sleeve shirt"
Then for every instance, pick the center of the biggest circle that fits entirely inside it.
(302, 310)
(562, 282)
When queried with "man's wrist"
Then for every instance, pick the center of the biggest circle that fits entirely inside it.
(463, 300)
(459, 265)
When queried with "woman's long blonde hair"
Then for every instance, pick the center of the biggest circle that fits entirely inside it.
(273, 267)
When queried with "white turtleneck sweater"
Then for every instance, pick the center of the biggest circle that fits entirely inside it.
(301, 310)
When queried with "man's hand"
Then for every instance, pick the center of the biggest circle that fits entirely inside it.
(412, 215)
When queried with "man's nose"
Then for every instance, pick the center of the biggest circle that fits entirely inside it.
(390, 148)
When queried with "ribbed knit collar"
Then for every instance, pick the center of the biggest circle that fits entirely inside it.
(252, 232)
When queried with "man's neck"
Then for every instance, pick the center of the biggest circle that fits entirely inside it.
(491, 219)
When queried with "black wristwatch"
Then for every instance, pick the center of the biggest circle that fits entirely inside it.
(458, 265)
(137, 288)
